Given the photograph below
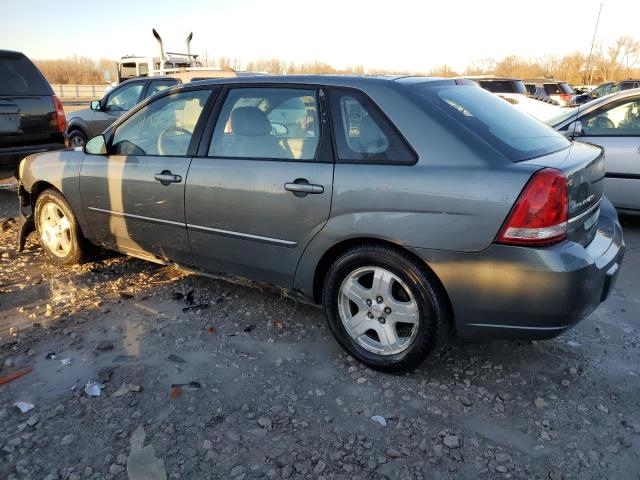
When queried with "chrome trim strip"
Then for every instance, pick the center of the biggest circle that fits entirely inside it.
(516, 327)
(587, 212)
(138, 217)
(244, 236)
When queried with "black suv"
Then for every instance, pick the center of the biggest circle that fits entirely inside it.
(31, 117)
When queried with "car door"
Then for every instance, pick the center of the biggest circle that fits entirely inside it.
(119, 101)
(259, 189)
(616, 127)
(133, 197)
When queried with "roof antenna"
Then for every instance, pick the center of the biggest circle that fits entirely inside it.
(189, 37)
(157, 35)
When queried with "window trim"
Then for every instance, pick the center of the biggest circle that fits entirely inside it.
(594, 112)
(356, 92)
(197, 131)
(321, 149)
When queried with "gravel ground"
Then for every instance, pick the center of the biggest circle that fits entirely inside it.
(199, 378)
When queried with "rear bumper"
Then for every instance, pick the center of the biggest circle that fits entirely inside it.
(533, 293)
(11, 156)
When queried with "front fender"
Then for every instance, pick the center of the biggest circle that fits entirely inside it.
(60, 170)
(78, 123)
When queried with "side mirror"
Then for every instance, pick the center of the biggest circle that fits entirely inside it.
(96, 146)
(96, 105)
(574, 129)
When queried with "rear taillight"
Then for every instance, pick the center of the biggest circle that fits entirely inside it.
(566, 97)
(61, 121)
(539, 216)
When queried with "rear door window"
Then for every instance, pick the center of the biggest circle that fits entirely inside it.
(18, 76)
(363, 133)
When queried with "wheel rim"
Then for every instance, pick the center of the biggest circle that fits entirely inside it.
(378, 310)
(76, 141)
(55, 229)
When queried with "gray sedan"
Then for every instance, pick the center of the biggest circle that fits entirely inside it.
(408, 208)
(89, 122)
(612, 122)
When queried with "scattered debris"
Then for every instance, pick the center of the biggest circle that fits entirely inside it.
(187, 386)
(122, 391)
(249, 328)
(189, 300)
(126, 295)
(176, 392)
(50, 356)
(65, 362)
(14, 376)
(104, 375)
(104, 346)
(142, 463)
(92, 389)
(212, 330)
(379, 419)
(279, 325)
(176, 359)
(177, 295)
(24, 407)
(200, 306)
(5, 223)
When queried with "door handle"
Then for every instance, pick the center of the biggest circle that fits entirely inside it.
(301, 188)
(166, 178)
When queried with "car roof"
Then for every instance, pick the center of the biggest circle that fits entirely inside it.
(358, 81)
(543, 80)
(490, 78)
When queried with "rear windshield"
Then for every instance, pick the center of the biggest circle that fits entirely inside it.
(18, 76)
(514, 134)
(566, 88)
(557, 88)
(503, 86)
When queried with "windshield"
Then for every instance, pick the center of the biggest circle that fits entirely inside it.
(513, 133)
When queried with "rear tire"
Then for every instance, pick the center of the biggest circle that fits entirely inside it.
(385, 308)
(58, 229)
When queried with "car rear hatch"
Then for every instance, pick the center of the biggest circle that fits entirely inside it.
(583, 166)
(27, 110)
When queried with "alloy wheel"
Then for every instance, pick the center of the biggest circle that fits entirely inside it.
(378, 310)
(55, 229)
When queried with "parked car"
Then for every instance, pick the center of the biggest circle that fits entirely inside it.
(89, 122)
(560, 92)
(513, 91)
(31, 116)
(407, 208)
(612, 122)
(607, 89)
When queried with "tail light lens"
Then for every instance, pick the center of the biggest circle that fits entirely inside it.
(539, 216)
(61, 121)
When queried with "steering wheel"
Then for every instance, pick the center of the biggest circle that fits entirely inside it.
(166, 145)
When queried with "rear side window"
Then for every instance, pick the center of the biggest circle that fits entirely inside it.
(18, 76)
(363, 133)
(552, 89)
(513, 133)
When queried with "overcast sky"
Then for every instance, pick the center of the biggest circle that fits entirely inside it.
(397, 34)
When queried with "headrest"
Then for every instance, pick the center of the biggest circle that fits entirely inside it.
(249, 121)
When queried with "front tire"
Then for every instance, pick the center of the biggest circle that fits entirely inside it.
(384, 307)
(58, 229)
(77, 138)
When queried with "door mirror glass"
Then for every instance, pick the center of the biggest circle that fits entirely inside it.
(96, 146)
(95, 105)
(574, 129)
